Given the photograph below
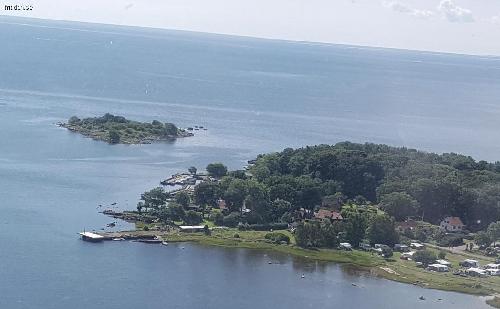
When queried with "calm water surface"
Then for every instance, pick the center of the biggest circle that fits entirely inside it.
(254, 96)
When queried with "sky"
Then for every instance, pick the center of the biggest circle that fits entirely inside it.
(456, 26)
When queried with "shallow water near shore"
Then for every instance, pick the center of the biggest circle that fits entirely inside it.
(253, 96)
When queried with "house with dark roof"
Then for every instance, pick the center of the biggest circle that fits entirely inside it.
(451, 224)
(408, 225)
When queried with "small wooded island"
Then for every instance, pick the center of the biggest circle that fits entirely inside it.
(119, 130)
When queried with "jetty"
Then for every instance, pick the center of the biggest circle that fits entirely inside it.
(92, 237)
(143, 236)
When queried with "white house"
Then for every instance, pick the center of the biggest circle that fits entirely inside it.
(451, 224)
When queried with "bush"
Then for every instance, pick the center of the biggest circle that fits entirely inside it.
(114, 137)
(387, 252)
(425, 257)
(441, 254)
(236, 235)
(193, 218)
(232, 219)
(277, 238)
(450, 241)
(217, 218)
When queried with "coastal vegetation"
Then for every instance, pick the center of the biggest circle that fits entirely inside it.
(369, 188)
(119, 130)
(317, 201)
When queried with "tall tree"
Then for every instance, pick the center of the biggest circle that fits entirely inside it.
(216, 170)
(381, 230)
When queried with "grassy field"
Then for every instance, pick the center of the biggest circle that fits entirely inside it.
(406, 271)
(393, 269)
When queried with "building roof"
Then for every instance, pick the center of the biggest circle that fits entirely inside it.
(453, 221)
(328, 214)
(408, 224)
(191, 227)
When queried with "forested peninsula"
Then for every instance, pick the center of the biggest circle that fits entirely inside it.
(323, 201)
(119, 130)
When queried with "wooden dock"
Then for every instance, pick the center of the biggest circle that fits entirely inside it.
(123, 235)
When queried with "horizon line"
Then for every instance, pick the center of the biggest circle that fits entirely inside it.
(231, 35)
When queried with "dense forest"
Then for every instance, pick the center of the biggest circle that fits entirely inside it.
(371, 186)
(403, 182)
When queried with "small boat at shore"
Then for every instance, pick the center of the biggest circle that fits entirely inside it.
(118, 239)
(164, 243)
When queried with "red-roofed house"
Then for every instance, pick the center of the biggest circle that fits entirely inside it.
(328, 214)
(452, 224)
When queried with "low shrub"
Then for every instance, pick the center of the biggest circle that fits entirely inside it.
(277, 238)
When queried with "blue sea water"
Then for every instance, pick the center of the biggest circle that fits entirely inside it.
(254, 96)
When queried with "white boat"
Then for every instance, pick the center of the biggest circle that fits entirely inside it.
(164, 243)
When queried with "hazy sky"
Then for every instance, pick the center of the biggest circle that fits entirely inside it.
(459, 26)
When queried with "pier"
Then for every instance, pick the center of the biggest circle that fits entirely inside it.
(92, 237)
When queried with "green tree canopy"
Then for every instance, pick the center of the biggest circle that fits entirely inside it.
(381, 230)
(400, 205)
(494, 231)
(114, 137)
(192, 170)
(183, 199)
(482, 239)
(154, 198)
(207, 193)
(216, 170)
(425, 257)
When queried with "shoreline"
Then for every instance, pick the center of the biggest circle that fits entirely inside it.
(392, 269)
